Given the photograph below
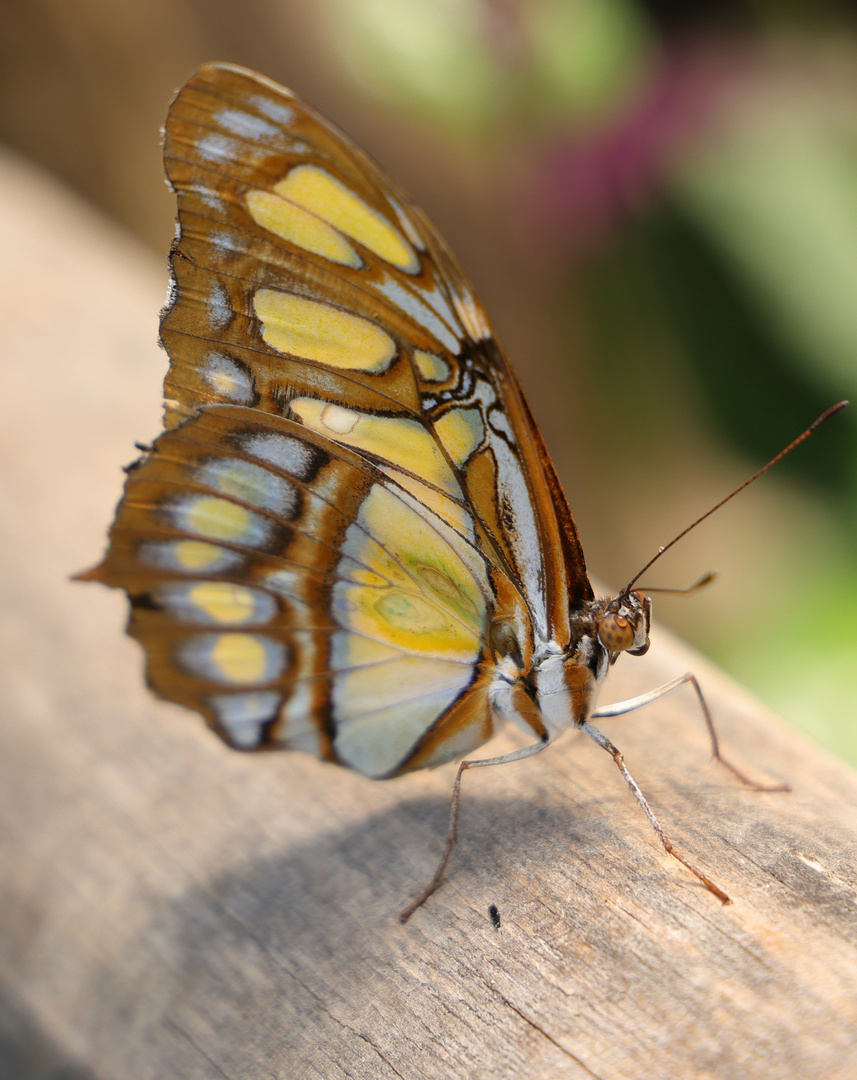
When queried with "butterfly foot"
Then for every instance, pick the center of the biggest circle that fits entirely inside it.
(753, 785)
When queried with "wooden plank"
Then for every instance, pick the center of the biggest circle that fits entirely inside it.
(171, 908)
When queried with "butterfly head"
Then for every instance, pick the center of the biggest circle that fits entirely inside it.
(625, 623)
(564, 683)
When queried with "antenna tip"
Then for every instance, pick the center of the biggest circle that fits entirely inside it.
(826, 415)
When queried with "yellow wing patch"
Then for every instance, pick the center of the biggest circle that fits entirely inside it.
(219, 519)
(317, 331)
(196, 554)
(239, 659)
(402, 442)
(433, 369)
(226, 602)
(461, 431)
(431, 605)
(300, 227)
(322, 194)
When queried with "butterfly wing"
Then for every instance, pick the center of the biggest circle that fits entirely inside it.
(288, 590)
(336, 592)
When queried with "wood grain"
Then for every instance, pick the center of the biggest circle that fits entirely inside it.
(172, 908)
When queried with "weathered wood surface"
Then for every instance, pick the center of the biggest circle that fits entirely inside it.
(171, 908)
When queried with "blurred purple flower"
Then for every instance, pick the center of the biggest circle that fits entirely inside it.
(586, 188)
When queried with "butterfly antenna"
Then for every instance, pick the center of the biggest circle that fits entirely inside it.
(706, 579)
(825, 416)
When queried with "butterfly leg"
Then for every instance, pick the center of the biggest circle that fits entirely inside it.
(504, 759)
(645, 699)
(599, 737)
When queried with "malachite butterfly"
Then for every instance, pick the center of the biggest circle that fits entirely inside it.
(350, 539)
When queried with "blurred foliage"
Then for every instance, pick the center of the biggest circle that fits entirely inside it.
(756, 387)
(775, 191)
(471, 68)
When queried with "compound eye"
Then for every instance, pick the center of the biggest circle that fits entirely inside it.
(616, 633)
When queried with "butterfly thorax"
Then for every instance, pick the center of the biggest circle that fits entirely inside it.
(559, 684)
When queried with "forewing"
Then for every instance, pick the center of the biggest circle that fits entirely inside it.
(307, 283)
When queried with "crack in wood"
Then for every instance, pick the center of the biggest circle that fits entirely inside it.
(532, 1023)
(170, 1023)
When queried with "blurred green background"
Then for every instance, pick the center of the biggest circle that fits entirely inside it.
(657, 202)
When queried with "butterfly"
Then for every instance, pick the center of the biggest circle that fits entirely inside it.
(350, 539)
